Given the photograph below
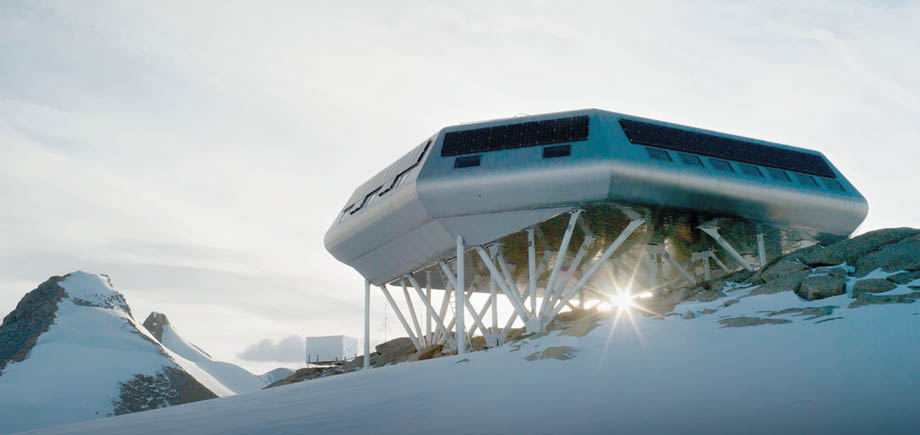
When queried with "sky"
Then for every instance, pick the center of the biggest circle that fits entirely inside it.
(197, 152)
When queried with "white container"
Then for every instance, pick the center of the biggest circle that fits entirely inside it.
(331, 349)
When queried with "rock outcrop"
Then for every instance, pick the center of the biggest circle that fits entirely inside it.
(32, 316)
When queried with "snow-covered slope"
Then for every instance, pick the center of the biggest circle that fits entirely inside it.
(275, 375)
(72, 351)
(231, 376)
(824, 366)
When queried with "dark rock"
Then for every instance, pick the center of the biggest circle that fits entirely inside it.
(820, 287)
(904, 277)
(741, 322)
(708, 311)
(155, 323)
(553, 352)
(170, 386)
(689, 315)
(300, 375)
(396, 347)
(32, 316)
(730, 302)
(810, 312)
(874, 285)
(782, 283)
(848, 251)
(903, 255)
(871, 299)
(828, 320)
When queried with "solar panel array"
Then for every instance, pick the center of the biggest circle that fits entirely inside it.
(678, 139)
(526, 134)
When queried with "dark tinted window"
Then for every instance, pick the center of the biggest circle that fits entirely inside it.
(721, 165)
(657, 154)
(833, 184)
(711, 145)
(778, 175)
(751, 170)
(807, 180)
(557, 151)
(466, 162)
(502, 137)
(690, 159)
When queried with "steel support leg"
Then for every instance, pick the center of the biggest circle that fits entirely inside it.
(418, 328)
(438, 321)
(633, 225)
(461, 298)
(761, 251)
(367, 324)
(560, 257)
(399, 315)
(532, 271)
(511, 294)
(714, 233)
(428, 334)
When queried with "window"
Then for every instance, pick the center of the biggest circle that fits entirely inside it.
(345, 213)
(778, 175)
(807, 180)
(712, 145)
(833, 184)
(526, 134)
(657, 154)
(721, 165)
(466, 162)
(690, 159)
(367, 200)
(557, 151)
(751, 170)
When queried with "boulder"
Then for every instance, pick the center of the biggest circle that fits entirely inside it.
(874, 285)
(848, 251)
(904, 277)
(553, 352)
(903, 255)
(396, 347)
(821, 286)
(790, 280)
(871, 299)
(741, 322)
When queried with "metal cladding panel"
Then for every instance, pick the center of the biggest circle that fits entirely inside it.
(388, 174)
(505, 190)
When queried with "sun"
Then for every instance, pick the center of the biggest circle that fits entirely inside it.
(621, 300)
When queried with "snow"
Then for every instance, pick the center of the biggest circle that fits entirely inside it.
(231, 376)
(72, 372)
(633, 374)
(276, 375)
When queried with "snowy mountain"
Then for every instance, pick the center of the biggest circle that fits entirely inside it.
(231, 376)
(825, 340)
(275, 375)
(72, 351)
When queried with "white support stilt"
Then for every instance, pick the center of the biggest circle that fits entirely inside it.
(438, 321)
(560, 257)
(719, 263)
(452, 283)
(714, 233)
(511, 294)
(461, 297)
(761, 251)
(633, 225)
(418, 328)
(399, 315)
(481, 322)
(690, 279)
(552, 295)
(428, 335)
(507, 329)
(493, 298)
(367, 324)
(652, 267)
(532, 271)
(445, 302)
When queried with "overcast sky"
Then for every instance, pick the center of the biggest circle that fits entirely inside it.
(198, 151)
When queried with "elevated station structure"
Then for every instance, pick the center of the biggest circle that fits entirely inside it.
(532, 208)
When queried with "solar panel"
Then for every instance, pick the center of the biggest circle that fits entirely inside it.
(526, 134)
(678, 139)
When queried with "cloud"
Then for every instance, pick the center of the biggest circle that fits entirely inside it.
(290, 349)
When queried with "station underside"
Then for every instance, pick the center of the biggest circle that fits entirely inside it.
(598, 252)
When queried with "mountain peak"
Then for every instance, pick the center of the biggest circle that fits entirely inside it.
(155, 323)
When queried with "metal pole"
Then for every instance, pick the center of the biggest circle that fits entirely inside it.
(418, 329)
(399, 315)
(367, 323)
(428, 315)
(761, 251)
(714, 233)
(494, 300)
(418, 289)
(511, 294)
(531, 269)
(563, 249)
(461, 297)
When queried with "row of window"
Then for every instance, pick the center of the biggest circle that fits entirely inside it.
(381, 190)
(551, 152)
(745, 169)
(737, 150)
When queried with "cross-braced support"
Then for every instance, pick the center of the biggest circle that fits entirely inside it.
(399, 315)
(714, 233)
